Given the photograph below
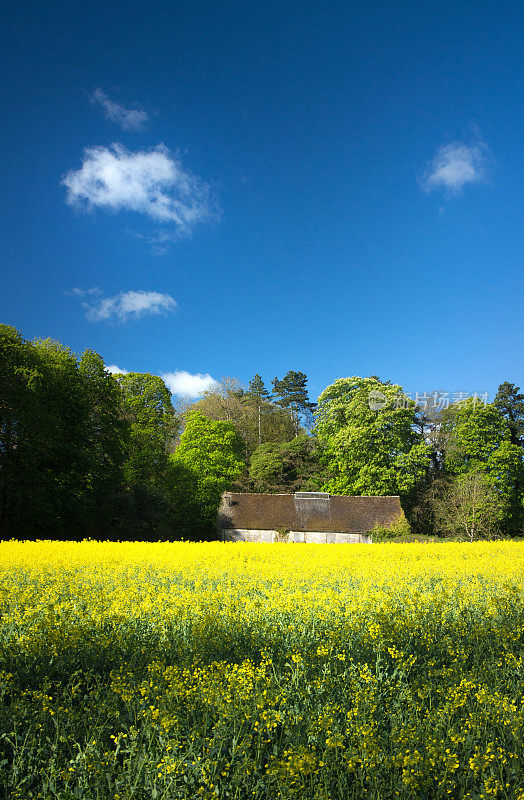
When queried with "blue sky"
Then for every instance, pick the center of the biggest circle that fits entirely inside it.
(229, 188)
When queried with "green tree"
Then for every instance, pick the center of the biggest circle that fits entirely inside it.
(366, 430)
(142, 509)
(259, 393)
(61, 441)
(278, 426)
(470, 504)
(227, 401)
(287, 466)
(106, 438)
(147, 407)
(214, 453)
(291, 393)
(224, 402)
(20, 414)
(510, 402)
(46, 485)
(257, 388)
(472, 432)
(477, 437)
(213, 450)
(192, 503)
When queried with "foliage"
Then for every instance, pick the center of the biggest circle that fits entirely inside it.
(258, 393)
(85, 452)
(473, 432)
(401, 528)
(510, 403)
(146, 405)
(209, 670)
(82, 452)
(107, 438)
(62, 441)
(21, 434)
(287, 466)
(477, 438)
(369, 452)
(212, 453)
(142, 508)
(470, 504)
(223, 401)
(255, 418)
(193, 502)
(291, 393)
(213, 450)
(509, 400)
(257, 388)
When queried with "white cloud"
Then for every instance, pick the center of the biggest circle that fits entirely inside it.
(78, 292)
(179, 383)
(114, 370)
(127, 305)
(151, 182)
(455, 165)
(129, 119)
(184, 384)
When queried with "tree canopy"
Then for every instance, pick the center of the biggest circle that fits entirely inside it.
(86, 453)
(509, 400)
(62, 441)
(287, 466)
(291, 393)
(477, 437)
(368, 451)
(212, 449)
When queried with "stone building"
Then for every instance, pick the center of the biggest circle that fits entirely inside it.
(304, 517)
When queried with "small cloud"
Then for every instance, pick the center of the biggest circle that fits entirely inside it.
(151, 182)
(129, 119)
(127, 305)
(184, 384)
(77, 292)
(160, 241)
(114, 370)
(455, 165)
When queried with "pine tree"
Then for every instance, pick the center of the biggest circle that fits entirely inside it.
(291, 393)
(258, 390)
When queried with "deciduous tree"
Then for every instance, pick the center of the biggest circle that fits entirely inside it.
(106, 440)
(477, 437)
(147, 407)
(287, 466)
(469, 505)
(229, 402)
(213, 450)
(366, 429)
(213, 453)
(509, 400)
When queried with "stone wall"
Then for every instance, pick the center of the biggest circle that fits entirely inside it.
(294, 537)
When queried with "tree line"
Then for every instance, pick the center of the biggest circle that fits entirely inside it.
(84, 453)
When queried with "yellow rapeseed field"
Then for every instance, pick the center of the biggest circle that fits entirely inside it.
(189, 670)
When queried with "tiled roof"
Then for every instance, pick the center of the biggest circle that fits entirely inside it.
(307, 511)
